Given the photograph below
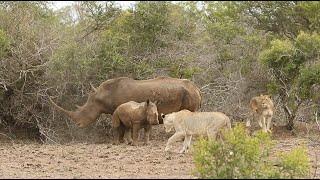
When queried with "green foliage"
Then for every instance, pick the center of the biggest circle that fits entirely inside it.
(149, 20)
(243, 156)
(112, 50)
(308, 77)
(240, 156)
(282, 18)
(182, 20)
(222, 21)
(287, 58)
(4, 43)
(308, 44)
(279, 55)
(181, 68)
(70, 62)
(310, 11)
(272, 87)
(295, 164)
(185, 73)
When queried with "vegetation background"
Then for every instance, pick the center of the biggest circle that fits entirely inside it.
(231, 50)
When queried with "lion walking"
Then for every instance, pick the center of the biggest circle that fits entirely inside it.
(188, 124)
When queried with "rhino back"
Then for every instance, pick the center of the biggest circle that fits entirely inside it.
(131, 112)
(170, 93)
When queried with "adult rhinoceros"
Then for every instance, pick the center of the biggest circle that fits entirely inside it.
(171, 94)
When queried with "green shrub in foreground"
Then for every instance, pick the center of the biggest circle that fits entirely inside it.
(243, 156)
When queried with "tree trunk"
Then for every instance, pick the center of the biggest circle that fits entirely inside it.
(291, 115)
(290, 124)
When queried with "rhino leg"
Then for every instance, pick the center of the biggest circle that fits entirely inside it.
(147, 130)
(135, 134)
(116, 135)
(121, 133)
(128, 135)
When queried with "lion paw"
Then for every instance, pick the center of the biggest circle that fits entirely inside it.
(166, 149)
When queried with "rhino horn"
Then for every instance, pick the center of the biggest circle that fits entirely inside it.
(69, 113)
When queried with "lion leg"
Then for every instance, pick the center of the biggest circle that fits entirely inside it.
(178, 136)
(248, 123)
(212, 134)
(260, 122)
(269, 120)
(264, 124)
(186, 144)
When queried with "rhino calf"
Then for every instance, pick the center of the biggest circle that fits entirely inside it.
(187, 124)
(134, 116)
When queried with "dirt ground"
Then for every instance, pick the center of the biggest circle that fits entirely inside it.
(25, 159)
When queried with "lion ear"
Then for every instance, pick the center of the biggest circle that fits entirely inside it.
(162, 115)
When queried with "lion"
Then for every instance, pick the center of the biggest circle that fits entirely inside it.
(187, 124)
(262, 108)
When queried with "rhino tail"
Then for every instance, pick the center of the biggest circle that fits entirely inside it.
(115, 120)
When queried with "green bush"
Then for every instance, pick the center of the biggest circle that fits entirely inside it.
(308, 44)
(4, 43)
(148, 22)
(308, 77)
(243, 156)
(294, 164)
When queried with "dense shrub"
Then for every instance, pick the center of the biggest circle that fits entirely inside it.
(242, 156)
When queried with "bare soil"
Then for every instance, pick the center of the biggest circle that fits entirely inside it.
(29, 159)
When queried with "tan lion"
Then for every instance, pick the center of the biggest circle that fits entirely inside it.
(262, 108)
(187, 124)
